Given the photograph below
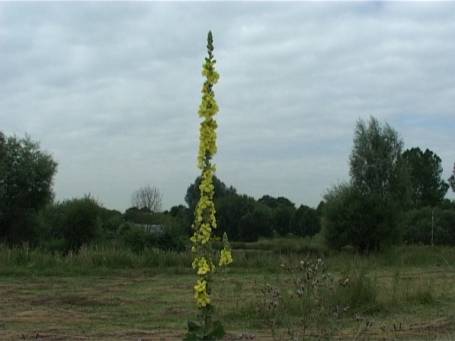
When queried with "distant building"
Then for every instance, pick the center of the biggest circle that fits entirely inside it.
(150, 228)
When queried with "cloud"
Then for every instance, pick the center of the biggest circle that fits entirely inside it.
(112, 90)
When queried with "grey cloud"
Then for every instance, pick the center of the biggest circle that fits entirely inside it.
(112, 90)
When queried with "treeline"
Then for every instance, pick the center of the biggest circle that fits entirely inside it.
(393, 196)
(245, 219)
(29, 214)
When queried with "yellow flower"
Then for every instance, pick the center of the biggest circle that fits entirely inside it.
(203, 267)
(205, 213)
(225, 257)
(200, 293)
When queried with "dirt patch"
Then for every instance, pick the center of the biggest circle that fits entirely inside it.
(74, 300)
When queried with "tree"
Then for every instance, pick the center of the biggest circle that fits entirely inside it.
(281, 219)
(452, 179)
(182, 215)
(148, 197)
(427, 186)
(365, 212)
(81, 222)
(192, 195)
(429, 226)
(282, 211)
(351, 218)
(320, 207)
(376, 165)
(140, 215)
(230, 208)
(275, 202)
(255, 224)
(305, 222)
(26, 178)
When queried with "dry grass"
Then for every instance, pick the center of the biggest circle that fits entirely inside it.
(135, 306)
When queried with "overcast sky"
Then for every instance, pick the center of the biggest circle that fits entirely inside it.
(111, 90)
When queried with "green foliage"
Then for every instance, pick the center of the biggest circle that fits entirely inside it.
(141, 216)
(419, 225)
(286, 246)
(182, 217)
(198, 331)
(137, 240)
(282, 210)
(230, 210)
(80, 222)
(427, 186)
(272, 202)
(365, 212)
(256, 224)
(233, 210)
(281, 219)
(171, 234)
(193, 194)
(357, 292)
(365, 222)
(26, 175)
(305, 222)
(376, 165)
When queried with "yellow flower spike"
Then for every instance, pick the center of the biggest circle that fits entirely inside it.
(205, 213)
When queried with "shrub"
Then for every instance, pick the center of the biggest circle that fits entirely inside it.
(357, 293)
(76, 222)
(365, 222)
(136, 239)
(81, 222)
(172, 238)
(417, 226)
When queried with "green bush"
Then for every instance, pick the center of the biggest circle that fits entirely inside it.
(81, 222)
(138, 240)
(70, 224)
(171, 238)
(419, 225)
(358, 292)
(365, 222)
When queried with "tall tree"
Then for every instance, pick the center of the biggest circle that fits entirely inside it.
(26, 176)
(452, 179)
(376, 166)
(193, 193)
(364, 213)
(427, 186)
(148, 197)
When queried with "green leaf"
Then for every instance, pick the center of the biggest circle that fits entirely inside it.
(217, 332)
(193, 326)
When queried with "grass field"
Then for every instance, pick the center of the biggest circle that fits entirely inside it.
(406, 293)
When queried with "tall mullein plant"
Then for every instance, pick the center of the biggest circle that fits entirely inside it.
(204, 256)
